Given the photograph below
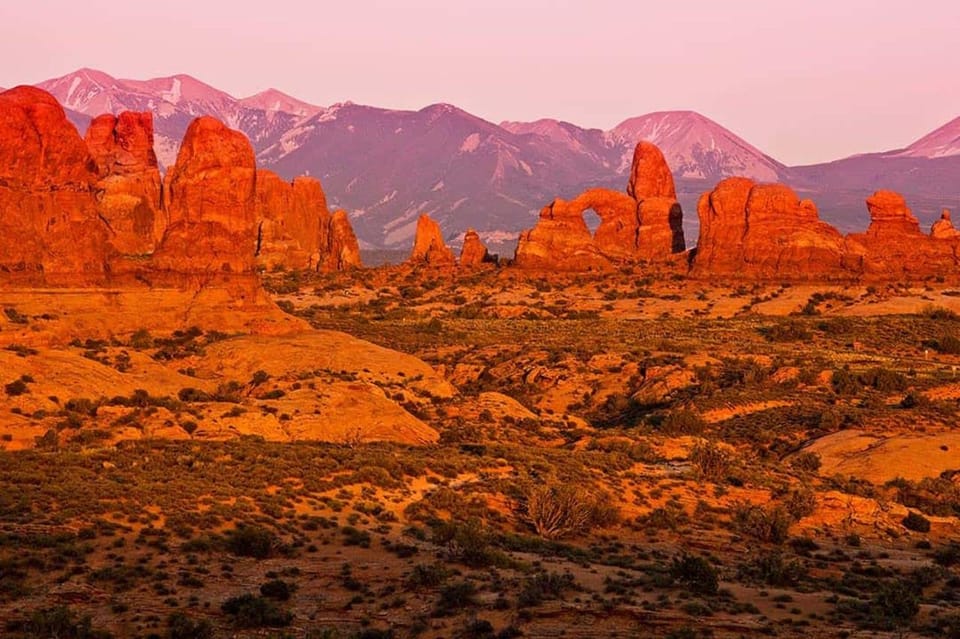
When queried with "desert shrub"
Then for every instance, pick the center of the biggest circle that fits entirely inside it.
(427, 575)
(249, 611)
(772, 569)
(807, 461)
(770, 524)
(696, 573)
(683, 422)
(800, 503)
(711, 462)
(844, 382)
(467, 542)
(894, 605)
(251, 541)
(278, 589)
(180, 626)
(56, 623)
(794, 331)
(455, 598)
(16, 387)
(542, 587)
(916, 522)
(563, 510)
(884, 380)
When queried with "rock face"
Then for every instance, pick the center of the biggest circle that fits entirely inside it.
(129, 189)
(49, 229)
(765, 231)
(296, 230)
(943, 228)
(645, 224)
(473, 254)
(428, 245)
(210, 195)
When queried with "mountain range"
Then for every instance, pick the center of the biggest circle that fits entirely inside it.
(387, 166)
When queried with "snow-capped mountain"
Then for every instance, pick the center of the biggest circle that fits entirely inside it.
(274, 101)
(174, 101)
(695, 147)
(942, 143)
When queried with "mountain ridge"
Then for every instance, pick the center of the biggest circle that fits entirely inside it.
(387, 166)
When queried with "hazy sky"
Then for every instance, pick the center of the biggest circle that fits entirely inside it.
(804, 80)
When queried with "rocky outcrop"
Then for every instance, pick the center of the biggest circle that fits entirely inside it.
(129, 188)
(295, 230)
(751, 231)
(650, 175)
(50, 232)
(645, 224)
(943, 228)
(210, 196)
(474, 253)
(340, 248)
(894, 246)
(428, 245)
(765, 231)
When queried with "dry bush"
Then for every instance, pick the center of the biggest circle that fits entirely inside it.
(561, 511)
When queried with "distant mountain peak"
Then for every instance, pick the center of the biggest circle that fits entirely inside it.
(941, 143)
(274, 101)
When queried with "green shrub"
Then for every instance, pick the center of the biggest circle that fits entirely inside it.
(251, 541)
(249, 611)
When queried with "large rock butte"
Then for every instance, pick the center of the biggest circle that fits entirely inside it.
(428, 245)
(645, 224)
(50, 232)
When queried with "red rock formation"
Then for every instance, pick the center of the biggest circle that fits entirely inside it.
(644, 224)
(428, 245)
(473, 254)
(894, 246)
(129, 190)
(49, 229)
(755, 231)
(943, 228)
(650, 175)
(341, 250)
(295, 229)
(210, 195)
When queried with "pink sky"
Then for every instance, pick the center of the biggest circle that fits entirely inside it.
(804, 81)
